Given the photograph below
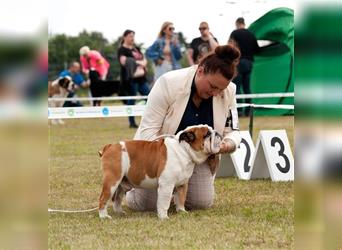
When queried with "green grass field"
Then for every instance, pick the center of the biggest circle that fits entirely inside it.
(256, 214)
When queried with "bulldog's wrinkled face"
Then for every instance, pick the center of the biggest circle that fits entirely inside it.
(66, 83)
(202, 138)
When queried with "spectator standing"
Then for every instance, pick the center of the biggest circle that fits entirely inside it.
(133, 70)
(247, 43)
(165, 51)
(202, 45)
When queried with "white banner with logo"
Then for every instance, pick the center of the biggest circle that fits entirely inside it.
(95, 112)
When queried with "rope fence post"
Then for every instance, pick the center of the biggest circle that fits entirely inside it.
(251, 119)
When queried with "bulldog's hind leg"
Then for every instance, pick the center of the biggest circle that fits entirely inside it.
(117, 200)
(108, 190)
(123, 188)
(180, 197)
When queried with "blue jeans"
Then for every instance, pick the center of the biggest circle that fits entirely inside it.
(143, 89)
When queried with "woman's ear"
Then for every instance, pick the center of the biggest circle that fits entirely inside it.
(200, 70)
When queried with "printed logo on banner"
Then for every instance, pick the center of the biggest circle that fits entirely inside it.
(273, 157)
(105, 111)
(71, 112)
(129, 110)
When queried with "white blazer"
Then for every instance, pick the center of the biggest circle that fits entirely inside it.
(167, 102)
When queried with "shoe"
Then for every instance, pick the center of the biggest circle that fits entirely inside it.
(133, 126)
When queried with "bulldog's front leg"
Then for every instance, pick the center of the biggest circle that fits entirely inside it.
(164, 199)
(180, 197)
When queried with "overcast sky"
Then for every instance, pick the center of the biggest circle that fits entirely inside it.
(112, 17)
(145, 17)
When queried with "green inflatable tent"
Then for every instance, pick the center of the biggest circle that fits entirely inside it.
(274, 64)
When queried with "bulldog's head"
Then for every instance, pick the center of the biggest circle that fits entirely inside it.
(202, 139)
(66, 83)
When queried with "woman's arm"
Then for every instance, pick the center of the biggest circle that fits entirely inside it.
(155, 111)
(176, 52)
(122, 60)
(142, 62)
(153, 52)
(231, 135)
(189, 54)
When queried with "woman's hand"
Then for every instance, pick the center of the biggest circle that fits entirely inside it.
(142, 63)
(227, 146)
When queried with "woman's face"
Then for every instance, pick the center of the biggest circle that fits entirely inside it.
(129, 39)
(169, 30)
(209, 85)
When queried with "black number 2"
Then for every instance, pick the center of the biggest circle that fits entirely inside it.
(281, 153)
(246, 167)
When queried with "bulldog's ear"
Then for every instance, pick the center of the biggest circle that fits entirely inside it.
(187, 136)
(64, 82)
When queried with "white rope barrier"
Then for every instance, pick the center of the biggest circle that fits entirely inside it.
(50, 210)
(110, 98)
(121, 98)
(265, 95)
(125, 110)
(95, 112)
(268, 106)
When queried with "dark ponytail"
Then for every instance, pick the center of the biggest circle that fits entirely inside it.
(223, 60)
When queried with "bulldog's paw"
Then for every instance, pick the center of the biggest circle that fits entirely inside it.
(119, 211)
(106, 217)
(181, 210)
(104, 214)
(163, 216)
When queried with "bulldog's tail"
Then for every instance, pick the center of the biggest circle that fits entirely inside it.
(101, 152)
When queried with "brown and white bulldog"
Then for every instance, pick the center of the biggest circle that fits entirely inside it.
(165, 164)
(60, 88)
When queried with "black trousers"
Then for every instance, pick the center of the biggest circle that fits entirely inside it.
(72, 103)
(242, 81)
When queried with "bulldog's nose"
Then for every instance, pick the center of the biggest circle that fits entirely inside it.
(218, 135)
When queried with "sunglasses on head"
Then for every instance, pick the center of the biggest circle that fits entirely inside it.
(202, 28)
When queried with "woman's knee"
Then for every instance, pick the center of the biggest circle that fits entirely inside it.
(204, 203)
(140, 201)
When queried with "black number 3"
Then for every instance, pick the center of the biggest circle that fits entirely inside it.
(246, 167)
(281, 153)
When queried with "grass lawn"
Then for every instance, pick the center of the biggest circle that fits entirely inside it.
(256, 214)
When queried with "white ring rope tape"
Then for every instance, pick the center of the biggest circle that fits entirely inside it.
(116, 98)
(269, 106)
(110, 98)
(124, 111)
(266, 95)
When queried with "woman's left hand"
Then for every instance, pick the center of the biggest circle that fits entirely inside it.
(227, 146)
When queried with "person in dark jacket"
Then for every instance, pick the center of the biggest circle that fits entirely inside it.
(247, 43)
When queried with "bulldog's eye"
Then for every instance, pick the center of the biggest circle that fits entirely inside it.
(208, 134)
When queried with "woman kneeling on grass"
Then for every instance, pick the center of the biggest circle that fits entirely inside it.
(200, 94)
